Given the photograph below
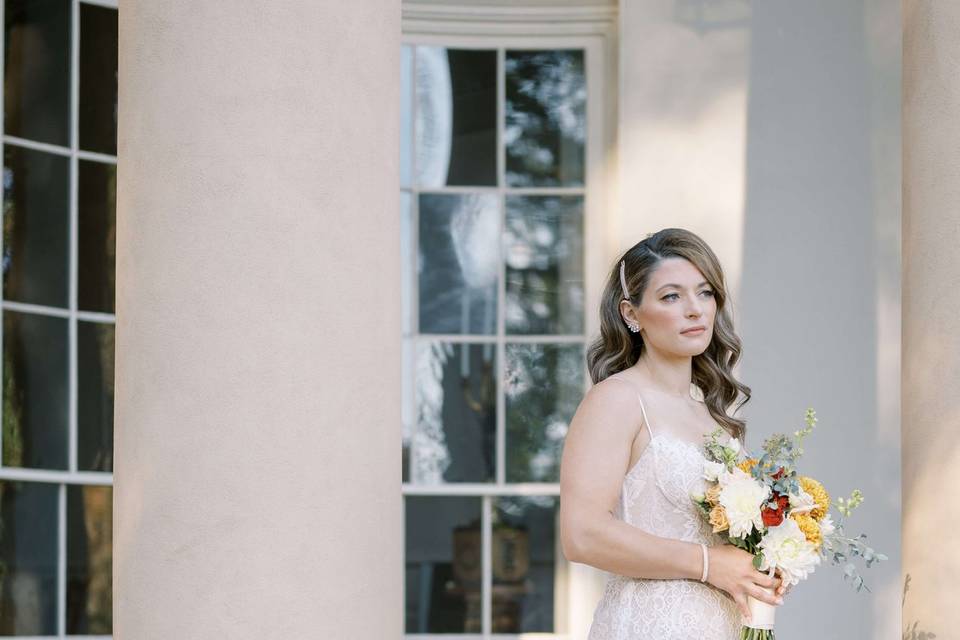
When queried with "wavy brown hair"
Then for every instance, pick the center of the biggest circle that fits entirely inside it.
(617, 348)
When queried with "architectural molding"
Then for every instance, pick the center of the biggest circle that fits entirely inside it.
(560, 17)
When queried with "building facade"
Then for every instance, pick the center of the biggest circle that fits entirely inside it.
(353, 255)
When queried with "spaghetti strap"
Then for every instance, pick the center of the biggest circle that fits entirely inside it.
(643, 410)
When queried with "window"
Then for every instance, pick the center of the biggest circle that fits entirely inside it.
(58, 251)
(502, 138)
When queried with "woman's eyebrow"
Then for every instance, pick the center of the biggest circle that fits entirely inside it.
(679, 287)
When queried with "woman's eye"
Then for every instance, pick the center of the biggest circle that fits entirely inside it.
(671, 296)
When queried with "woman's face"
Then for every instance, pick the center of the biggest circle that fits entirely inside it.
(676, 299)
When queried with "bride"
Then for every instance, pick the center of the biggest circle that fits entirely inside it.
(662, 374)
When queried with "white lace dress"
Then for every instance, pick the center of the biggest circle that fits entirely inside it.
(656, 498)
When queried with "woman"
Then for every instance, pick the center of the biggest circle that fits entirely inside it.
(662, 374)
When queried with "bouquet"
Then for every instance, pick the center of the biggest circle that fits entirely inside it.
(763, 506)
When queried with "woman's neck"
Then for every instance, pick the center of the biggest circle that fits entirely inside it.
(669, 375)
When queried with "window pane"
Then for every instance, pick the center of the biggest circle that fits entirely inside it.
(95, 396)
(543, 386)
(407, 409)
(98, 79)
(443, 564)
(89, 560)
(406, 114)
(545, 123)
(455, 439)
(458, 263)
(406, 263)
(36, 74)
(97, 236)
(35, 238)
(525, 571)
(456, 122)
(544, 256)
(28, 558)
(34, 391)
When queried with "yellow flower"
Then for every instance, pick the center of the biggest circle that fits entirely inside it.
(718, 518)
(747, 465)
(713, 495)
(810, 528)
(819, 495)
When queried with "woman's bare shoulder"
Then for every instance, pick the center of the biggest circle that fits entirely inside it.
(611, 403)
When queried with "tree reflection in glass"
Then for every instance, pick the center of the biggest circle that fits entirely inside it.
(543, 384)
(544, 264)
(456, 413)
(456, 117)
(458, 263)
(545, 110)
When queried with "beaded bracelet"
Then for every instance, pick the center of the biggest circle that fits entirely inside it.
(706, 563)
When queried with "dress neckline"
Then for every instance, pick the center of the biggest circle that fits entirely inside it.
(686, 443)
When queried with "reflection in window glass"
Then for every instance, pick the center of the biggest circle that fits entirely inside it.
(95, 346)
(36, 73)
(28, 559)
(525, 571)
(89, 560)
(545, 124)
(36, 210)
(543, 384)
(460, 237)
(97, 236)
(459, 263)
(442, 564)
(456, 413)
(98, 79)
(456, 121)
(406, 263)
(34, 390)
(544, 256)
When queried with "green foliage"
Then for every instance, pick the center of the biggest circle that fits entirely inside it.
(847, 507)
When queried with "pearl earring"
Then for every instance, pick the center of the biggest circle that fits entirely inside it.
(634, 327)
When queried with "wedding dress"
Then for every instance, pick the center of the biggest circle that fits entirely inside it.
(656, 498)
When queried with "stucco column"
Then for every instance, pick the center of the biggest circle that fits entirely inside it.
(257, 482)
(931, 316)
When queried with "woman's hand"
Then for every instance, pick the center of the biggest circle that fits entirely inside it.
(731, 569)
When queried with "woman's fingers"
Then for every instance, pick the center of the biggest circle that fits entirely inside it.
(765, 596)
(741, 601)
(766, 581)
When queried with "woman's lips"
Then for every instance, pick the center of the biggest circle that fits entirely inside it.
(693, 332)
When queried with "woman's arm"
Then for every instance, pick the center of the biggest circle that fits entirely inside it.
(595, 458)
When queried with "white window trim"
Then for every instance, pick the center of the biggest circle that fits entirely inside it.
(492, 25)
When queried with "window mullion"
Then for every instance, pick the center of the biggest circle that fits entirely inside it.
(486, 583)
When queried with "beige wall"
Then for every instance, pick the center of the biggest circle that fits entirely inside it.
(931, 303)
(772, 130)
(257, 406)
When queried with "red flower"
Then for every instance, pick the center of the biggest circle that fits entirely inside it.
(778, 474)
(773, 517)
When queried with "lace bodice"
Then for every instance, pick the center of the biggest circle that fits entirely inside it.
(655, 497)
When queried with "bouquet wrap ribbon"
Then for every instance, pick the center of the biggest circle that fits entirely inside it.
(761, 614)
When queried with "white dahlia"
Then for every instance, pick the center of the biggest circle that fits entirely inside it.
(741, 498)
(712, 470)
(786, 547)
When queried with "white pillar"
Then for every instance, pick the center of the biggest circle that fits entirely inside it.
(257, 479)
(931, 316)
